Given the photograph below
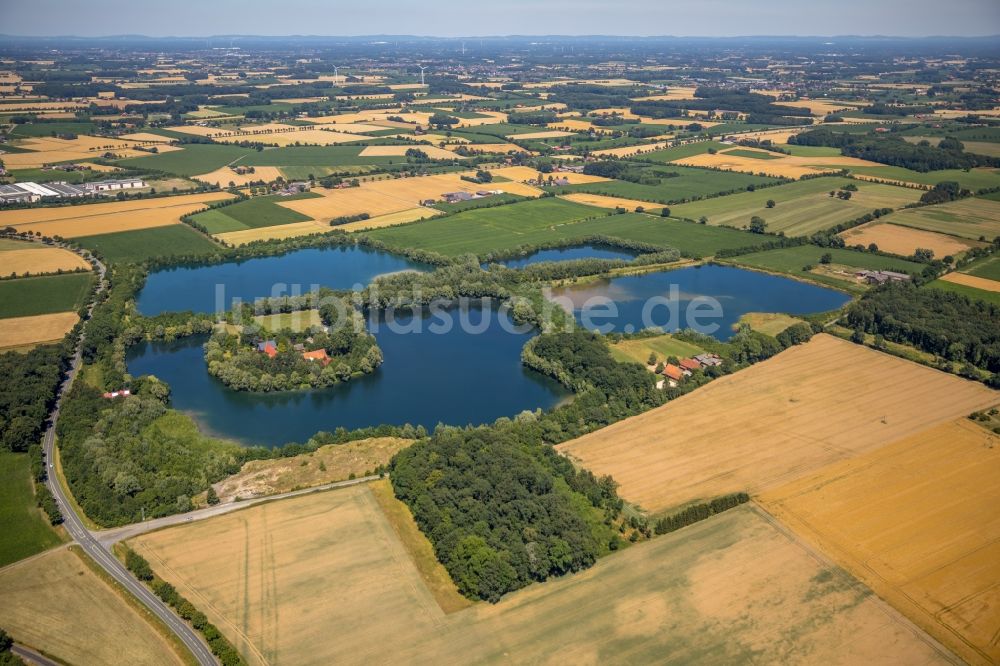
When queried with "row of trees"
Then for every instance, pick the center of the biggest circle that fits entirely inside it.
(219, 644)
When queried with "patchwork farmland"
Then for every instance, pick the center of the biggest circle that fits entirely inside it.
(801, 208)
(103, 218)
(683, 597)
(811, 405)
(933, 547)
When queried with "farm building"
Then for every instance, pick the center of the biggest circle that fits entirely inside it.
(115, 184)
(269, 347)
(689, 364)
(881, 277)
(671, 371)
(318, 355)
(29, 192)
(708, 360)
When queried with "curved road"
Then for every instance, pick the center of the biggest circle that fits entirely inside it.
(86, 540)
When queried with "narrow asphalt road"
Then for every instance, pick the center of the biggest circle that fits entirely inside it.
(78, 531)
(108, 538)
(32, 657)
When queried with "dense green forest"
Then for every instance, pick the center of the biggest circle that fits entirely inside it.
(131, 454)
(502, 509)
(949, 325)
(27, 393)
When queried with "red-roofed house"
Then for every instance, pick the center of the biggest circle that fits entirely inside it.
(671, 371)
(318, 355)
(689, 364)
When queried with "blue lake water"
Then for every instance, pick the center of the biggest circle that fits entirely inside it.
(710, 298)
(567, 253)
(212, 288)
(456, 377)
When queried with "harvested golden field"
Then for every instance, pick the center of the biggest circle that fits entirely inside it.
(382, 197)
(932, 549)
(391, 219)
(985, 284)
(326, 579)
(628, 151)
(672, 94)
(147, 137)
(433, 152)
(550, 134)
(292, 230)
(523, 173)
(807, 407)
(18, 331)
(821, 107)
(334, 462)
(49, 150)
(499, 148)
(222, 177)
(56, 603)
(102, 218)
(788, 167)
(904, 240)
(35, 259)
(603, 201)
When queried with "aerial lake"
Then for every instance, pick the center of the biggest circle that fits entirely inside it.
(710, 298)
(454, 377)
(213, 287)
(567, 253)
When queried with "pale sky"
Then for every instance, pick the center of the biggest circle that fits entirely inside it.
(451, 18)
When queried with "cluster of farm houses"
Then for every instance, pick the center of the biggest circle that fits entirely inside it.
(673, 374)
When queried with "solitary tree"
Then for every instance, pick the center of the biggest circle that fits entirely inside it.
(770, 203)
(757, 225)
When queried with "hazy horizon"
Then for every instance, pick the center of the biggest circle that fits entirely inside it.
(448, 19)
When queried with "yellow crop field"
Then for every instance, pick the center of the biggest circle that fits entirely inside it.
(985, 284)
(222, 177)
(102, 218)
(382, 197)
(147, 137)
(500, 148)
(788, 167)
(672, 94)
(55, 603)
(603, 201)
(19, 331)
(326, 579)
(821, 107)
(269, 233)
(773, 422)
(334, 462)
(628, 151)
(48, 150)
(433, 152)
(35, 259)
(932, 549)
(550, 134)
(904, 240)
(392, 219)
(522, 173)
